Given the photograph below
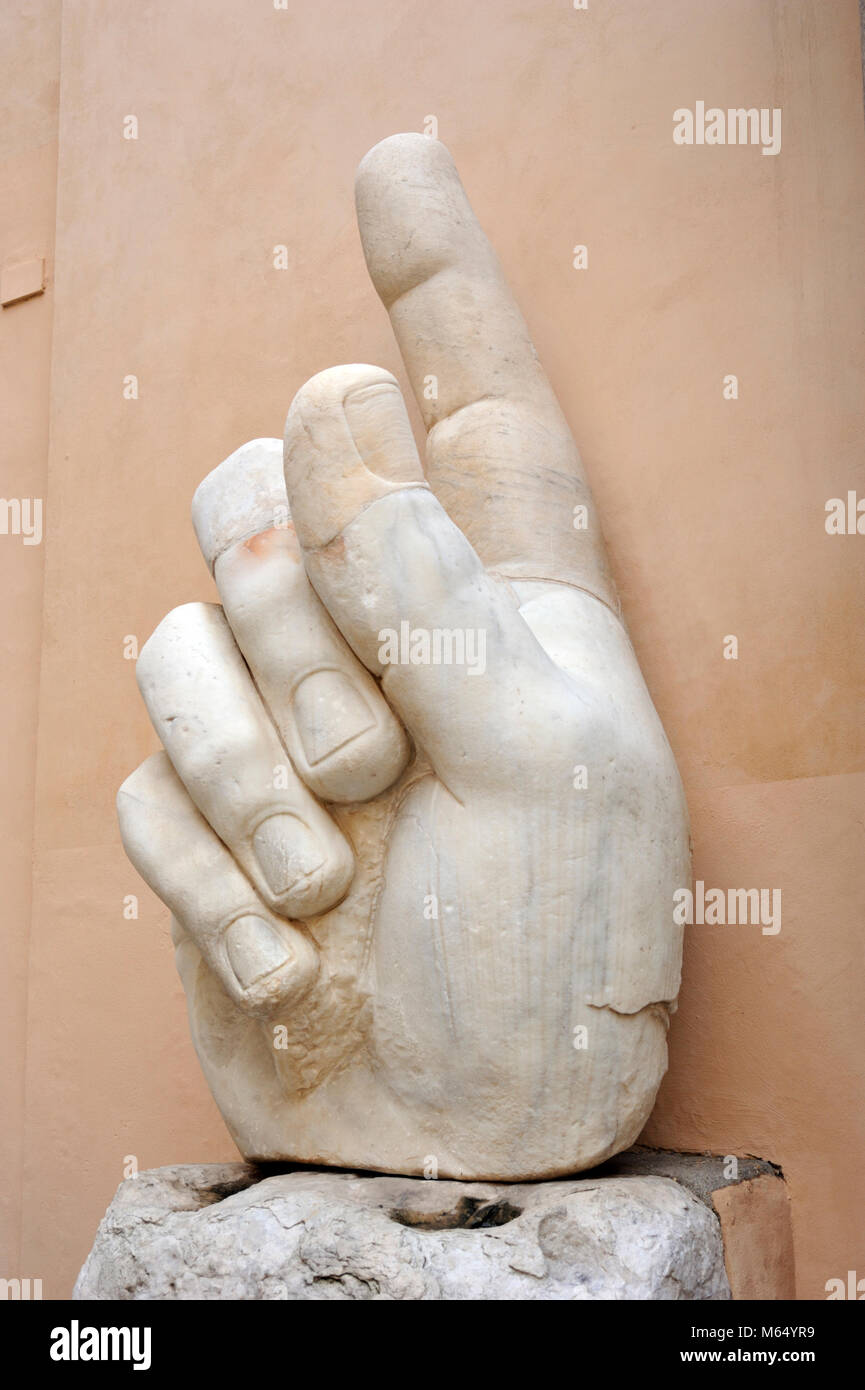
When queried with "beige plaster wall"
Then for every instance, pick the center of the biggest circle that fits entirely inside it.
(29, 90)
(702, 262)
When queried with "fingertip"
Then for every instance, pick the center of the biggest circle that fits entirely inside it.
(330, 388)
(413, 214)
(148, 779)
(395, 154)
(300, 871)
(349, 745)
(348, 441)
(269, 966)
(181, 628)
(242, 496)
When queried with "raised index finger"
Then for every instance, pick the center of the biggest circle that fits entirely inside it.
(500, 455)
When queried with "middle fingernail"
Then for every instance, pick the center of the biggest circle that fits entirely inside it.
(329, 713)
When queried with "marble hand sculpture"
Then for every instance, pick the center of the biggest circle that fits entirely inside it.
(416, 819)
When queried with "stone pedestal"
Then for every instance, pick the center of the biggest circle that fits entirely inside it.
(230, 1231)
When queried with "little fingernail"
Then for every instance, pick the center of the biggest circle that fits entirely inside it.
(287, 851)
(329, 712)
(254, 949)
(378, 423)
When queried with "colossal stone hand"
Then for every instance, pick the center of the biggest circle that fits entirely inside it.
(450, 949)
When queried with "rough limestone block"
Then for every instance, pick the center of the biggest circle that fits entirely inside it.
(218, 1232)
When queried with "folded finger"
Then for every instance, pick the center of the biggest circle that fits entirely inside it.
(262, 962)
(343, 739)
(226, 751)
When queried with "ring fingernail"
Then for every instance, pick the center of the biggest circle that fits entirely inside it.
(254, 950)
(287, 851)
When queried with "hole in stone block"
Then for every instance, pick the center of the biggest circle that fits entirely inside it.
(469, 1214)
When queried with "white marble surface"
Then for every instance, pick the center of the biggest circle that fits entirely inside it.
(422, 891)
